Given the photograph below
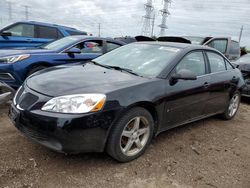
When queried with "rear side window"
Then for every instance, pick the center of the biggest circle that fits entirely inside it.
(193, 62)
(21, 30)
(111, 46)
(234, 48)
(76, 32)
(217, 62)
(219, 44)
(47, 32)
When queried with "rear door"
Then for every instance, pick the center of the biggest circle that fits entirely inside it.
(222, 82)
(220, 44)
(22, 35)
(187, 98)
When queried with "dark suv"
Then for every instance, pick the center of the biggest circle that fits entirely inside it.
(32, 34)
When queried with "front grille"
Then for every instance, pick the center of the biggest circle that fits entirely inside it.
(27, 100)
(24, 99)
(6, 76)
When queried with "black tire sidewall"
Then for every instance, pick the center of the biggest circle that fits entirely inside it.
(113, 145)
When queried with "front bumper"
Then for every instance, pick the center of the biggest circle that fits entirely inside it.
(63, 132)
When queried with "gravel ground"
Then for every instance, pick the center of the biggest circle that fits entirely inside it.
(209, 153)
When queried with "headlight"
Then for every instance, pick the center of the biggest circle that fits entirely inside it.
(14, 59)
(75, 104)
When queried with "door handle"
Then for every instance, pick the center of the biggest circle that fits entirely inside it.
(29, 40)
(206, 85)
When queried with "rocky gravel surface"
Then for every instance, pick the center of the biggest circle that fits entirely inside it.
(209, 153)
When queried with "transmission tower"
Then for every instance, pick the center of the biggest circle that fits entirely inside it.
(26, 12)
(146, 27)
(165, 13)
(10, 10)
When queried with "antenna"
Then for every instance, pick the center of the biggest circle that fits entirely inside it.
(146, 27)
(165, 13)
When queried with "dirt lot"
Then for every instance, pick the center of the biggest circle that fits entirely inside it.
(209, 153)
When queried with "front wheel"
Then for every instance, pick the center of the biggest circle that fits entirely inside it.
(131, 135)
(232, 107)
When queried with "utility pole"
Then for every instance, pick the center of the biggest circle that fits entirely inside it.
(26, 12)
(99, 29)
(165, 13)
(241, 31)
(146, 27)
(10, 10)
(153, 25)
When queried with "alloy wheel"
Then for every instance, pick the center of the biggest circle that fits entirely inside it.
(234, 105)
(134, 136)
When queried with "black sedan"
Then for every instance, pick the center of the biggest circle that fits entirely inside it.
(243, 64)
(119, 101)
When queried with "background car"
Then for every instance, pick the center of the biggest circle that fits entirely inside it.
(230, 48)
(244, 65)
(119, 101)
(17, 65)
(31, 34)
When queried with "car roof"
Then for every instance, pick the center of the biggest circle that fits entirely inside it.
(179, 45)
(48, 24)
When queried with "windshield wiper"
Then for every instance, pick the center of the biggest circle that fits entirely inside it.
(101, 65)
(123, 69)
(116, 68)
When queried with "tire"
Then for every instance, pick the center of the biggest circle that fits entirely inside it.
(35, 69)
(232, 107)
(129, 139)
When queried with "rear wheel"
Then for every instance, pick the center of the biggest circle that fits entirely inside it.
(35, 69)
(232, 107)
(131, 135)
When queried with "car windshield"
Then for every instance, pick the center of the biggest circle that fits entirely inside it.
(244, 59)
(142, 59)
(59, 44)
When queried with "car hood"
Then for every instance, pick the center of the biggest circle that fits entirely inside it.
(10, 52)
(81, 79)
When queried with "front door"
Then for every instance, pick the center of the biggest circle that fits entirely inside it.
(187, 98)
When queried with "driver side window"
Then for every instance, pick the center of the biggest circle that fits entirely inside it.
(193, 62)
(93, 47)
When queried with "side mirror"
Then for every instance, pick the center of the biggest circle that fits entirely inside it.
(6, 34)
(73, 51)
(183, 74)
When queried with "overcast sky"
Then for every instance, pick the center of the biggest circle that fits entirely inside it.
(124, 17)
